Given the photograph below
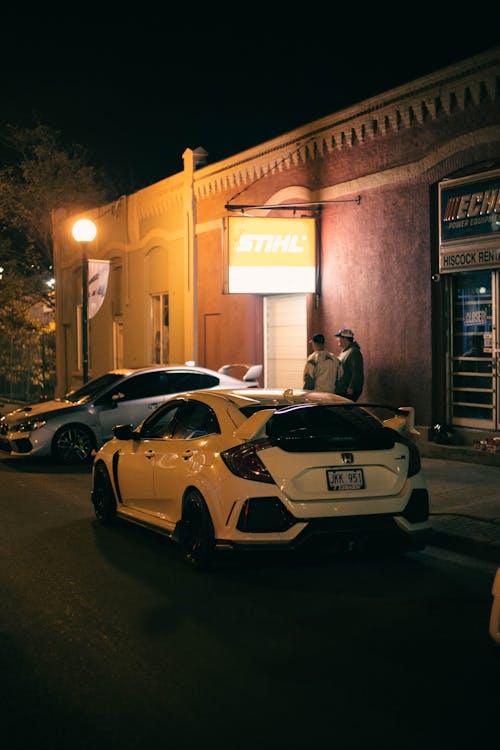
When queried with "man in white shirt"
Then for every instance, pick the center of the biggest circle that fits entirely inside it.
(321, 368)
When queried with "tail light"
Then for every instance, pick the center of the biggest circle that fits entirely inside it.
(244, 462)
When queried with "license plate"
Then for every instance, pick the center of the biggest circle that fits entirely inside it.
(345, 479)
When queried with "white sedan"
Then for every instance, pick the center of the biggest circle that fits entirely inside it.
(71, 428)
(263, 469)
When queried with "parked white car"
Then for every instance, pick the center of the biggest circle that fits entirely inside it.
(71, 428)
(265, 469)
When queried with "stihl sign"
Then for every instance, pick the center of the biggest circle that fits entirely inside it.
(269, 256)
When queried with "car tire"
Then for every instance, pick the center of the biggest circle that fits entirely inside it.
(103, 498)
(73, 444)
(197, 532)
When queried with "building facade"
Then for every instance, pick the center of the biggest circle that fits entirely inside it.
(403, 191)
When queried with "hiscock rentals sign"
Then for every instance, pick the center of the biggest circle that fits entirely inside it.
(469, 236)
(269, 256)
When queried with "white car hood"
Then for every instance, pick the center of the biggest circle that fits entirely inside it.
(36, 410)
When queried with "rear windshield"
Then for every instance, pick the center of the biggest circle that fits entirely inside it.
(328, 427)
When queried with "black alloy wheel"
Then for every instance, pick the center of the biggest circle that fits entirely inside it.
(103, 498)
(197, 532)
(73, 444)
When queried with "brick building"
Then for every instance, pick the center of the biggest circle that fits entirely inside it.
(403, 192)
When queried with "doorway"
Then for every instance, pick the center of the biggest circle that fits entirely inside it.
(474, 370)
(285, 340)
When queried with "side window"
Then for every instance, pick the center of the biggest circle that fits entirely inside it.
(178, 382)
(195, 420)
(195, 381)
(159, 424)
(148, 385)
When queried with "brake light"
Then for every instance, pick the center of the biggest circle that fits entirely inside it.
(244, 462)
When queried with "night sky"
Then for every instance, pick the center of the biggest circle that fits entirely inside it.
(136, 93)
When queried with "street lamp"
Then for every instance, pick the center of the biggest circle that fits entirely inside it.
(84, 231)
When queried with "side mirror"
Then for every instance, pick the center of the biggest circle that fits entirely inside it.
(124, 431)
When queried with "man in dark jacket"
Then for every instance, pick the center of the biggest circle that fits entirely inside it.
(351, 380)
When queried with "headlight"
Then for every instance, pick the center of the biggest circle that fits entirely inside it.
(29, 425)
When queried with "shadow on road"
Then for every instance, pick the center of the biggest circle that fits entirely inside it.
(42, 466)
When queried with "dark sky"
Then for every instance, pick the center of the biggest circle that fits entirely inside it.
(136, 93)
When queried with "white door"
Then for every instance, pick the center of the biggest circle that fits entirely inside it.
(285, 340)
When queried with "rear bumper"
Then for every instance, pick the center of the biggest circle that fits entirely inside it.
(410, 529)
(328, 534)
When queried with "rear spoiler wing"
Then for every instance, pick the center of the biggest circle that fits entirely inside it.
(252, 372)
(402, 421)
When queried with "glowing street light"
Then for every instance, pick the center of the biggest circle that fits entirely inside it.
(84, 231)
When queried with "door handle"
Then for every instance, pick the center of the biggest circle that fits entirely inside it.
(149, 454)
(187, 454)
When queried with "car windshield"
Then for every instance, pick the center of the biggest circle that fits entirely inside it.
(93, 388)
(321, 419)
(328, 427)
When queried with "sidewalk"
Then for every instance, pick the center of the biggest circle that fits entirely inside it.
(464, 498)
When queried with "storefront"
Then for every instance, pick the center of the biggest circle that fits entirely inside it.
(470, 255)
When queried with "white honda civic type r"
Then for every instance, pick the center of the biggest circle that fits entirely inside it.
(264, 469)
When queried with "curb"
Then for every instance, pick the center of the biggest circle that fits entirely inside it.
(466, 546)
(468, 454)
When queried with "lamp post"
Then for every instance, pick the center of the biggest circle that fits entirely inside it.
(84, 231)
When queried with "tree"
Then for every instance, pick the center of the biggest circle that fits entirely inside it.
(39, 177)
(27, 353)
(42, 177)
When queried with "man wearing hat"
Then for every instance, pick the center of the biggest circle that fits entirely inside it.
(321, 368)
(351, 378)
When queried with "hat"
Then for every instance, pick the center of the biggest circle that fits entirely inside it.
(346, 333)
(318, 338)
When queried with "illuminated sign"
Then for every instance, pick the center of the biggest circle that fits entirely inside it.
(469, 230)
(269, 256)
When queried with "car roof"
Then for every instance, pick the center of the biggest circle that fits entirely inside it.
(149, 368)
(271, 397)
(127, 371)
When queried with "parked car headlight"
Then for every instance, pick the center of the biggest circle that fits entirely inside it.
(30, 425)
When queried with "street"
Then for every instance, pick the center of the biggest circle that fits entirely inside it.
(110, 640)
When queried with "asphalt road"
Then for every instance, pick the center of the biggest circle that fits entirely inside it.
(109, 640)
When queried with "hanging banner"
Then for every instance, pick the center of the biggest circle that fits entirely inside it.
(98, 285)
